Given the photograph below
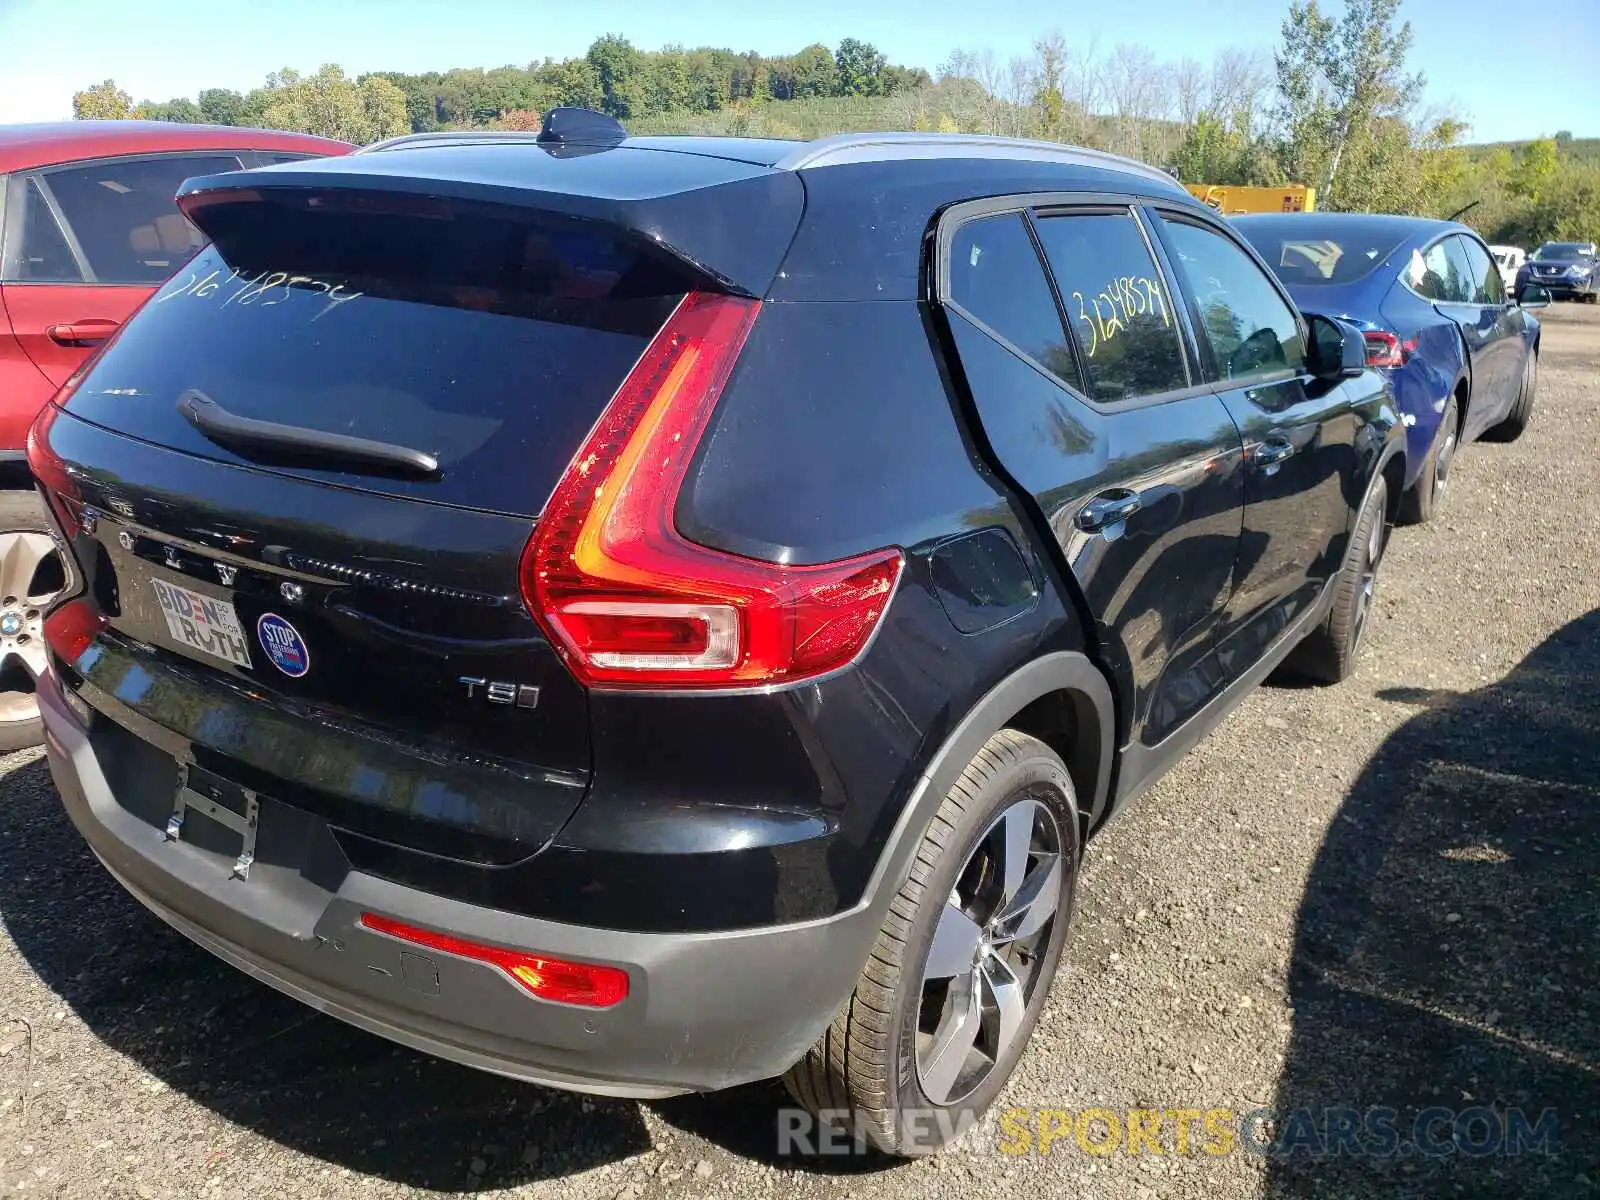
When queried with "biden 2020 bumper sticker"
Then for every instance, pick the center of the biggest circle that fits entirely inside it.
(283, 644)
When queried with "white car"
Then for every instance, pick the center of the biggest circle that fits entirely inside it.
(1509, 259)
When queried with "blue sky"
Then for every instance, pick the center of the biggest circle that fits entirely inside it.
(1513, 71)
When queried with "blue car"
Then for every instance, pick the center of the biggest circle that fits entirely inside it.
(1432, 308)
(1570, 269)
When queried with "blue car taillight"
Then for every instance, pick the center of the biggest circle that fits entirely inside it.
(1385, 349)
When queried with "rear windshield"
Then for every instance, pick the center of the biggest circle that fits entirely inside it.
(478, 335)
(1318, 252)
(1563, 250)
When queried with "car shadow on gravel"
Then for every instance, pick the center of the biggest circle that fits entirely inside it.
(1446, 966)
(259, 1059)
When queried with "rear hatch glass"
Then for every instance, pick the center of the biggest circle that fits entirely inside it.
(1320, 254)
(480, 335)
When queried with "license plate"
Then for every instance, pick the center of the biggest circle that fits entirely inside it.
(202, 623)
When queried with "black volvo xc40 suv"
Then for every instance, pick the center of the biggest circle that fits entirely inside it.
(643, 615)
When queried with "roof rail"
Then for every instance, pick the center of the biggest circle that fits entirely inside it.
(879, 147)
(445, 137)
(575, 126)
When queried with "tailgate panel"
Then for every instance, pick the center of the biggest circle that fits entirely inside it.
(396, 601)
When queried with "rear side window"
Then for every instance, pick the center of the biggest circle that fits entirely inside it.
(123, 215)
(996, 276)
(1250, 329)
(483, 336)
(1438, 274)
(1117, 304)
(38, 252)
(1487, 286)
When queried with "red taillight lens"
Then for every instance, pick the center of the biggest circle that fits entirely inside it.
(555, 979)
(71, 629)
(1384, 349)
(632, 603)
(43, 462)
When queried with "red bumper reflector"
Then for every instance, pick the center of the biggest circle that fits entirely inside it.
(71, 629)
(555, 979)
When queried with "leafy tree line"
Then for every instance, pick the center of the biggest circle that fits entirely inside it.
(1334, 107)
(614, 76)
(1542, 191)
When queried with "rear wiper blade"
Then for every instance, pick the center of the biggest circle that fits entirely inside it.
(295, 442)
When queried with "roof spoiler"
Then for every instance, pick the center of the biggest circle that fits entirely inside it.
(730, 222)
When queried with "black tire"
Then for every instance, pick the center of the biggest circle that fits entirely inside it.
(864, 1075)
(1329, 652)
(1422, 501)
(1516, 422)
(21, 511)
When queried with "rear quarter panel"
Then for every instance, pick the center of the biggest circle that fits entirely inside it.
(1433, 370)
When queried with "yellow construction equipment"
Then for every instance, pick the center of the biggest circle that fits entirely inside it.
(1229, 199)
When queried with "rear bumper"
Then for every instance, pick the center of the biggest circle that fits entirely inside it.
(704, 1010)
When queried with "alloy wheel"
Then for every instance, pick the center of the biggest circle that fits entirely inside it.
(1442, 462)
(30, 576)
(1371, 556)
(987, 950)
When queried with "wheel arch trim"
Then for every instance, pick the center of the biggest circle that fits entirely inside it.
(1064, 671)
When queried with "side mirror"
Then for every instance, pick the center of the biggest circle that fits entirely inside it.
(1337, 350)
(1533, 296)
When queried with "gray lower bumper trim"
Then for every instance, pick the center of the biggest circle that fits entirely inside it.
(704, 1011)
(362, 1018)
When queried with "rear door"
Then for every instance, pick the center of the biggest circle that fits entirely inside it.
(1084, 389)
(1499, 323)
(347, 631)
(1298, 434)
(1443, 274)
(86, 243)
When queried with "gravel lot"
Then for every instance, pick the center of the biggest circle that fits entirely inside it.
(1381, 894)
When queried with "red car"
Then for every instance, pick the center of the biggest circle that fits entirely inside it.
(88, 230)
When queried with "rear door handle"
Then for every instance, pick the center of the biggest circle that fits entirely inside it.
(81, 333)
(1269, 455)
(1108, 509)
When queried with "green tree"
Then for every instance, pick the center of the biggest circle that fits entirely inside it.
(707, 83)
(330, 105)
(664, 82)
(859, 68)
(103, 101)
(781, 77)
(814, 72)
(422, 97)
(751, 78)
(182, 111)
(1567, 209)
(1048, 101)
(617, 66)
(1344, 98)
(1535, 167)
(220, 106)
(1211, 152)
(573, 81)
